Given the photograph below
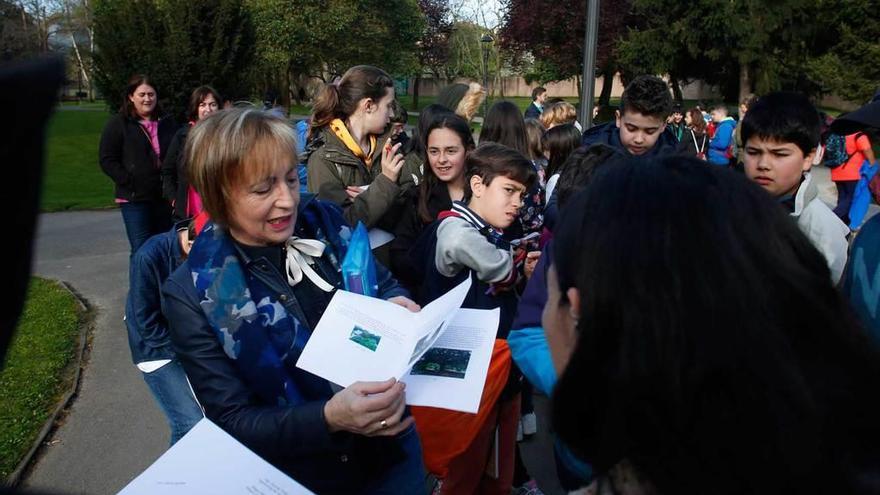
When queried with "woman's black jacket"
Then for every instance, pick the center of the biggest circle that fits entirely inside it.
(127, 157)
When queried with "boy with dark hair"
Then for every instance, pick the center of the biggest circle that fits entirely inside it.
(781, 133)
(469, 238)
(468, 242)
(676, 122)
(534, 110)
(722, 146)
(639, 128)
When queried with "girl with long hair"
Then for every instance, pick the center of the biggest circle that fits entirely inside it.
(349, 162)
(447, 140)
(696, 137)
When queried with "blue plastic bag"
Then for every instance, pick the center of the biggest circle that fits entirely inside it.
(529, 349)
(358, 267)
(302, 131)
(862, 196)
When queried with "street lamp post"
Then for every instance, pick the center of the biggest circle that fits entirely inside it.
(485, 43)
(589, 74)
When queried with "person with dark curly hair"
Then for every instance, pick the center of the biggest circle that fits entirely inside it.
(639, 128)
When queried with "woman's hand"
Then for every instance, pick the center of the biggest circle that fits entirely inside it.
(354, 191)
(372, 409)
(392, 161)
(406, 303)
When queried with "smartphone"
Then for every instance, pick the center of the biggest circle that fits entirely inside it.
(522, 240)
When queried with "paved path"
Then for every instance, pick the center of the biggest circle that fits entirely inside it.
(114, 429)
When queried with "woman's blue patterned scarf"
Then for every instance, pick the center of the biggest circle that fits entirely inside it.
(255, 330)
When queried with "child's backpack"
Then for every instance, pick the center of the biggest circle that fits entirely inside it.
(731, 150)
(835, 151)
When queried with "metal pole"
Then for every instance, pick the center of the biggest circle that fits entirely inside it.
(485, 40)
(589, 74)
(485, 76)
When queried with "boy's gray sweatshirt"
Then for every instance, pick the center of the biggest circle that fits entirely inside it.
(461, 245)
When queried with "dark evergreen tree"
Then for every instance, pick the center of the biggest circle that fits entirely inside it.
(180, 44)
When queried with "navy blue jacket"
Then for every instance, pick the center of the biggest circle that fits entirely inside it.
(534, 297)
(609, 134)
(294, 439)
(532, 112)
(150, 266)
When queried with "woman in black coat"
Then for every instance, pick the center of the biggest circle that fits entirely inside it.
(132, 147)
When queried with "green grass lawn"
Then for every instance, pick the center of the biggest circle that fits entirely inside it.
(35, 374)
(73, 178)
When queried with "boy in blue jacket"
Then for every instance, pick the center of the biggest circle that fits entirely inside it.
(722, 145)
(147, 327)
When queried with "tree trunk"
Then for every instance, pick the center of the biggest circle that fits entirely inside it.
(415, 92)
(676, 89)
(607, 85)
(285, 95)
(745, 81)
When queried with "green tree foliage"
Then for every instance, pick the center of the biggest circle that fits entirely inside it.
(465, 54)
(741, 45)
(374, 32)
(181, 44)
(302, 38)
(17, 40)
(552, 31)
(434, 42)
(849, 69)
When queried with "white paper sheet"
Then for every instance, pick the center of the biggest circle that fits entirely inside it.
(379, 237)
(208, 460)
(365, 339)
(452, 373)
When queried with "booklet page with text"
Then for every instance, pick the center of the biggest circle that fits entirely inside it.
(361, 338)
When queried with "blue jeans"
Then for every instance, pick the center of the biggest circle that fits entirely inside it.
(846, 190)
(145, 219)
(171, 390)
(406, 477)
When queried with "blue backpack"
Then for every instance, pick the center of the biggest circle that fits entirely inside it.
(835, 151)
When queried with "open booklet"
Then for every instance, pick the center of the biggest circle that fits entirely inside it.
(442, 352)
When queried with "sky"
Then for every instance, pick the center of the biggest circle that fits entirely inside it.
(483, 12)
